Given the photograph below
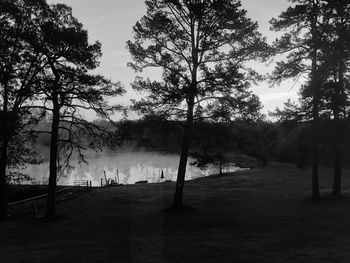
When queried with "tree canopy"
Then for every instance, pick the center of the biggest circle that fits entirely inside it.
(317, 48)
(202, 48)
(47, 64)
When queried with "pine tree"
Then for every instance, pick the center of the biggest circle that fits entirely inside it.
(68, 87)
(302, 49)
(20, 65)
(202, 48)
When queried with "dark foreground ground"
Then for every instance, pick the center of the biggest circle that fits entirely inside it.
(262, 215)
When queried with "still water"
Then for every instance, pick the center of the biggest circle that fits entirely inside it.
(125, 168)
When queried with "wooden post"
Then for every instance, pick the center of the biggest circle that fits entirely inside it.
(101, 182)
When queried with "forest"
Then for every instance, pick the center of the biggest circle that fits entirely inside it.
(201, 107)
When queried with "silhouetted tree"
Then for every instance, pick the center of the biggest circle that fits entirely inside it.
(336, 50)
(302, 47)
(202, 47)
(68, 88)
(19, 67)
(45, 55)
(326, 45)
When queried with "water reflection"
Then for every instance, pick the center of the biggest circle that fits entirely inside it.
(125, 168)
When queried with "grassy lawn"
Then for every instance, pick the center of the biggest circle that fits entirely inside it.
(21, 192)
(260, 215)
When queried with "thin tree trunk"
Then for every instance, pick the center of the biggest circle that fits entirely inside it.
(51, 199)
(3, 158)
(3, 188)
(51, 190)
(315, 146)
(186, 140)
(337, 162)
(336, 153)
(315, 153)
(337, 141)
(315, 82)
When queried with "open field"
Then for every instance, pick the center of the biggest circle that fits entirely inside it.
(261, 215)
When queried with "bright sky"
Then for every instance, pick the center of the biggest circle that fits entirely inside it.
(111, 22)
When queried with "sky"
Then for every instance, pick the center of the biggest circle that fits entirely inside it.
(111, 22)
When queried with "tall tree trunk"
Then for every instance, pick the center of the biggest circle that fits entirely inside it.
(51, 199)
(337, 160)
(51, 190)
(315, 82)
(337, 140)
(186, 141)
(316, 141)
(315, 155)
(186, 138)
(3, 188)
(315, 144)
(3, 158)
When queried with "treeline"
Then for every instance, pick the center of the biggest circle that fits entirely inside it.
(243, 143)
(287, 142)
(227, 142)
(236, 142)
(295, 144)
(255, 140)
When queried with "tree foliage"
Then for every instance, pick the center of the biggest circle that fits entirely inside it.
(202, 48)
(19, 68)
(317, 47)
(68, 86)
(47, 64)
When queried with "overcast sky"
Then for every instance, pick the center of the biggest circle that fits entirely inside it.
(111, 22)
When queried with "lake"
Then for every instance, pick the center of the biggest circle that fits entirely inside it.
(125, 168)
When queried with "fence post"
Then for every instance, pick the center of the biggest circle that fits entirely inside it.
(101, 182)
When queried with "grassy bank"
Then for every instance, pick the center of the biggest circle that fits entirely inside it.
(21, 192)
(261, 215)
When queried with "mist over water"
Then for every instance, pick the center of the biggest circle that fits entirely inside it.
(125, 168)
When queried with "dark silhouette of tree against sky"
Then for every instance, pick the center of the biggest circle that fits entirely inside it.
(302, 48)
(202, 48)
(336, 51)
(319, 46)
(20, 65)
(68, 88)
